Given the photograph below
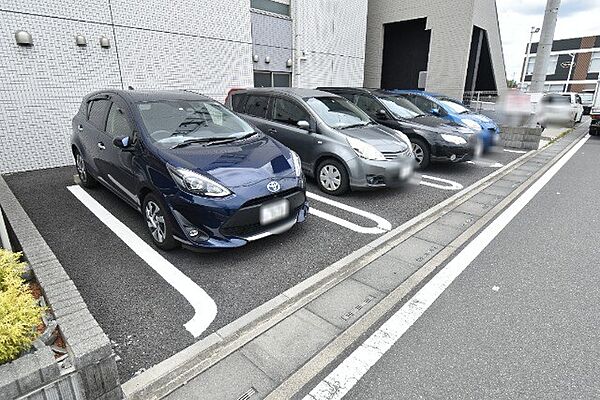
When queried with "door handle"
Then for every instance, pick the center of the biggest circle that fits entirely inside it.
(272, 130)
(101, 146)
(80, 128)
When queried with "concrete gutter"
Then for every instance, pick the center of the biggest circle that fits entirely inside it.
(239, 343)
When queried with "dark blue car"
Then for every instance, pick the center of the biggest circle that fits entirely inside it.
(453, 110)
(201, 176)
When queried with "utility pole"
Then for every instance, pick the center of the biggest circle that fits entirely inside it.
(545, 47)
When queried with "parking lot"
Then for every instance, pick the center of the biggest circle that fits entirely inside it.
(153, 304)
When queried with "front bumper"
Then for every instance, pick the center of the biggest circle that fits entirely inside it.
(595, 125)
(444, 152)
(366, 174)
(233, 221)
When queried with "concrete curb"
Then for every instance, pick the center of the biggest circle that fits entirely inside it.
(179, 369)
(93, 365)
(397, 297)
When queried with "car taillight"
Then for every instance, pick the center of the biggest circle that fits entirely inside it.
(596, 115)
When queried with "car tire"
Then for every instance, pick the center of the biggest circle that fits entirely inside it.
(332, 177)
(421, 152)
(159, 222)
(85, 178)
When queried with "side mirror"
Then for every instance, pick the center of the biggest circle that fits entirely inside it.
(303, 125)
(122, 142)
(435, 111)
(381, 114)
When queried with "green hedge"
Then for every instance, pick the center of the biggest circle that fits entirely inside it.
(19, 311)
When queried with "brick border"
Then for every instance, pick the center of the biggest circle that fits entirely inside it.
(88, 346)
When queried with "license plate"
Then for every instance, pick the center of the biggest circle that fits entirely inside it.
(405, 171)
(275, 211)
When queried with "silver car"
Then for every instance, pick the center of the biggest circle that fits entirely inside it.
(339, 145)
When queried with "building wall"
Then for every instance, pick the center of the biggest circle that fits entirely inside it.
(272, 37)
(451, 24)
(329, 46)
(41, 86)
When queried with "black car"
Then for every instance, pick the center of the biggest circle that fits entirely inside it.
(433, 138)
(201, 176)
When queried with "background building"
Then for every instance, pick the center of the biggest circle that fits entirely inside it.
(452, 46)
(79, 46)
(560, 77)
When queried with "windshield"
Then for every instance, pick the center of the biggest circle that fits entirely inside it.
(169, 123)
(400, 107)
(454, 107)
(338, 112)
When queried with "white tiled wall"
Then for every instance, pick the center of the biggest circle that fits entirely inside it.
(206, 47)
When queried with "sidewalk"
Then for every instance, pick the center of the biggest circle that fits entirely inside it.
(273, 354)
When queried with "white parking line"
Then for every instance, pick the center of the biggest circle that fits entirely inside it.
(447, 183)
(383, 225)
(490, 164)
(343, 378)
(204, 306)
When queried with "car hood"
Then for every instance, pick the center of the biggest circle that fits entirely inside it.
(435, 124)
(242, 163)
(482, 120)
(381, 137)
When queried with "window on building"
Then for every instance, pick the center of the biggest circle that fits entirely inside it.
(595, 63)
(272, 79)
(288, 112)
(271, 6)
(552, 63)
(117, 123)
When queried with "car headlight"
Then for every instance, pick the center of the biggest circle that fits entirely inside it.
(453, 139)
(469, 123)
(365, 150)
(404, 138)
(196, 183)
(297, 163)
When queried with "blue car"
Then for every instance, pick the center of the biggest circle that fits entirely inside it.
(453, 110)
(201, 176)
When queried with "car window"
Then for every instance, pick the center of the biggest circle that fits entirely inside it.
(171, 122)
(237, 101)
(400, 107)
(422, 103)
(368, 105)
(338, 112)
(117, 123)
(97, 113)
(345, 95)
(288, 112)
(257, 106)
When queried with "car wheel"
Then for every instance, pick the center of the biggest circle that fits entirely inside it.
(85, 178)
(159, 223)
(421, 152)
(332, 177)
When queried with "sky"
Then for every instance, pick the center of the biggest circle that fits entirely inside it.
(576, 18)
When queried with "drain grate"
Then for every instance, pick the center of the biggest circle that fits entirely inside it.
(246, 396)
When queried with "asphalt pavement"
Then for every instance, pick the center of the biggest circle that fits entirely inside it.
(522, 320)
(144, 316)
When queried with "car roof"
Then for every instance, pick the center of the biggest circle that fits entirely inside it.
(140, 96)
(360, 90)
(298, 92)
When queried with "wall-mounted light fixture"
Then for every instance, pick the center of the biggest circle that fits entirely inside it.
(80, 41)
(289, 63)
(104, 42)
(267, 59)
(23, 38)
(255, 58)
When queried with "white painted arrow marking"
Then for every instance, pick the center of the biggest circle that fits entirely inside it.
(204, 306)
(447, 183)
(383, 225)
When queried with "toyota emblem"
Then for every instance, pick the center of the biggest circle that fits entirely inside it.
(273, 187)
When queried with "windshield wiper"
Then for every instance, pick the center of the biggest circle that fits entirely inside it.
(231, 140)
(199, 140)
(353, 126)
